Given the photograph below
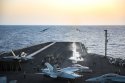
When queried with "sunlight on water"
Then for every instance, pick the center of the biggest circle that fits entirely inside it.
(76, 55)
(18, 37)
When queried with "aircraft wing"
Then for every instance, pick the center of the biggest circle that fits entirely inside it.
(29, 57)
(69, 70)
(119, 79)
(69, 75)
(96, 79)
(53, 76)
(12, 57)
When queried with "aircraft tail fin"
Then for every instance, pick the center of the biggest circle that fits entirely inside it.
(54, 69)
(13, 53)
(50, 67)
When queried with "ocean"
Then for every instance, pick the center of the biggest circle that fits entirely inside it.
(93, 37)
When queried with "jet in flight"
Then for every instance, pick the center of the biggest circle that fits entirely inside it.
(111, 77)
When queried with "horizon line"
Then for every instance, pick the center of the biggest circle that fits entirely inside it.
(62, 25)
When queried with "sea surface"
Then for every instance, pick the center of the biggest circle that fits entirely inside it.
(93, 37)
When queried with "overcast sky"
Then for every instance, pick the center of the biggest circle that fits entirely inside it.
(62, 12)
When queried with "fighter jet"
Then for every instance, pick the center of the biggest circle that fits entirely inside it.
(67, 73)
(111, 77)
(22, 57)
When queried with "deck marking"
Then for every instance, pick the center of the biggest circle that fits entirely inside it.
(40, 50)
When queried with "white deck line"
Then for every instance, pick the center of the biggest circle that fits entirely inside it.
(40, 50)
